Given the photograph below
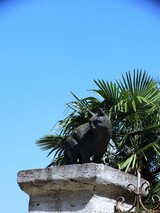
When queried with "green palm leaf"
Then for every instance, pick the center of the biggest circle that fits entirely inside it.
(107, 90)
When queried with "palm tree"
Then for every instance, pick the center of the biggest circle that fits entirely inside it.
(133, 105)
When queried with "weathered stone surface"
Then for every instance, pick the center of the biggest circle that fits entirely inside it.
(75, 188)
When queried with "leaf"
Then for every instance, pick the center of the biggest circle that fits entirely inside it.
(126, 163)
(156, 148)
(134, 105)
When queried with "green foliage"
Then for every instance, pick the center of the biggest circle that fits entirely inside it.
(133, 105)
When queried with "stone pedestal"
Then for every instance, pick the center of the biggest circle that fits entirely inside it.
(90, 188)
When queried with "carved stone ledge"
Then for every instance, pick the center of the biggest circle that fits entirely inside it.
(75, 188)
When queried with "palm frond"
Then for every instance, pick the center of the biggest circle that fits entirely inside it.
(108, 91)
(48, 141)
(53, 143)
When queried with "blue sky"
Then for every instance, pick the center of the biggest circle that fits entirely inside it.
(49, 48)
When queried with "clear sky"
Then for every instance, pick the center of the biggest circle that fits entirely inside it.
(51, 47)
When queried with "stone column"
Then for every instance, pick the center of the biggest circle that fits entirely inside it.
(90, 188)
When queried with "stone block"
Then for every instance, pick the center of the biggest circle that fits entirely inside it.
(90, 188)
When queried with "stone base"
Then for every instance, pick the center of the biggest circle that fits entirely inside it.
(76, 188)
(84, 201)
